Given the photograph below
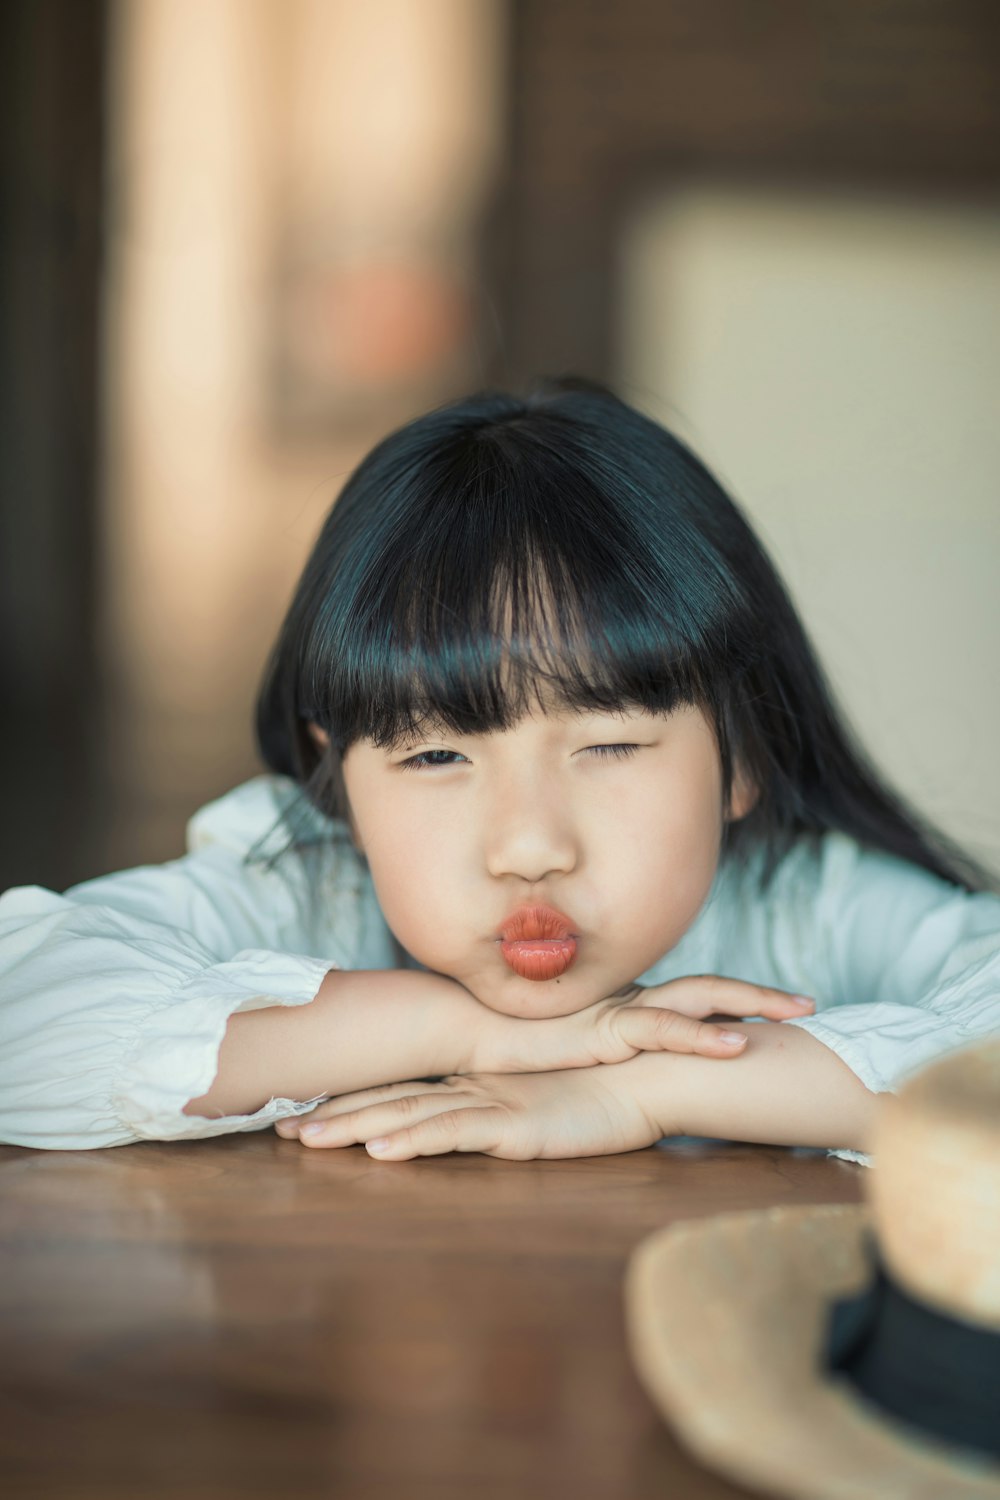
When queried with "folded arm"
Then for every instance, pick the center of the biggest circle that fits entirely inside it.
(363, 1028)
(368, 1027)
(786, 1088)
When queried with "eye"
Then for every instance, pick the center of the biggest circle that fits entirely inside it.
(606, 752)
(418, 762)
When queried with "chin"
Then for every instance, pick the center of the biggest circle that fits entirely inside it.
(534, 1000)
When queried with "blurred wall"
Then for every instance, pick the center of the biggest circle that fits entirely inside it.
(836, 360)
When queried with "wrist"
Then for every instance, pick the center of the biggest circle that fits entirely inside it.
(457, 1027)
(492, 1042)
(431, 1025)
(645, 1083)
(785, 1088)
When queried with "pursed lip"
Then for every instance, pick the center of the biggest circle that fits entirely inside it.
(535, 920)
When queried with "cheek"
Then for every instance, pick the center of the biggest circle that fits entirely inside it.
(667, 848)
(413, 865)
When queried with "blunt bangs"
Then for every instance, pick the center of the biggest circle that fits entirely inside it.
(511, 580)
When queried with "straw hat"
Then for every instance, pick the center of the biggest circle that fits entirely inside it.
(846, 1350)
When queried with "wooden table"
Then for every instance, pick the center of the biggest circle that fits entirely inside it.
(243, 1317)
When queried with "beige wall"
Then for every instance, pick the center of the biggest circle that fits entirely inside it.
(836, 361)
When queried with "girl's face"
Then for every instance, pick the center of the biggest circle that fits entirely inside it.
(459, 831)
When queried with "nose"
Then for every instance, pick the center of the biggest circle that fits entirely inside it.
(530, 830)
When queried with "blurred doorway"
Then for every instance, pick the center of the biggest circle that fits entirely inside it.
(52, 80)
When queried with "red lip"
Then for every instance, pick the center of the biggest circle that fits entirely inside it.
(536, 921)
(538, 942)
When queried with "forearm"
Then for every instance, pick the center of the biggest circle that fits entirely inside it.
(364, 1027)
(785, 1088)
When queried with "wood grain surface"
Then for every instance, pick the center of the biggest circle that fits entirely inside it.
(243, 1317)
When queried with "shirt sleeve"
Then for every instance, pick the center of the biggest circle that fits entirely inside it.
(909, 965)
(114, 997)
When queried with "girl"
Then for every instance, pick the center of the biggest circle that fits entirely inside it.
(555, 776)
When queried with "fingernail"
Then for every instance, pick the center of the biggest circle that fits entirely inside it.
(802, 999)
(732, 1038)
(311, 1129)
(378, 1144)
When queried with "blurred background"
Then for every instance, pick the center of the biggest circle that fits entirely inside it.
(243, 239)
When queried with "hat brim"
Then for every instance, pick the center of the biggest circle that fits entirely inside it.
(726, 1317)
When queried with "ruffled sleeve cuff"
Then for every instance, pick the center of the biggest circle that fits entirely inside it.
(174, 1056)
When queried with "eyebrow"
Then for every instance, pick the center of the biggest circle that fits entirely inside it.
(436, 726)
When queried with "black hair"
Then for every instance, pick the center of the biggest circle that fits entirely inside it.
(501, 546)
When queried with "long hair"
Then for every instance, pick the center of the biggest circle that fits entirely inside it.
(561, 541)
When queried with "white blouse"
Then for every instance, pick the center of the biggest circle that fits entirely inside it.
(114, 997)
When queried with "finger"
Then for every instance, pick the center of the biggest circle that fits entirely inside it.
(651, 1030)
(479, 1128)
(757, 1000)
(361, 1125)
(701, 995)
(360, 1097)
(345, 1103)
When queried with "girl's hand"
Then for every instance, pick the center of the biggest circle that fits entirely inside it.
(574, 1113)
(661, 1018)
